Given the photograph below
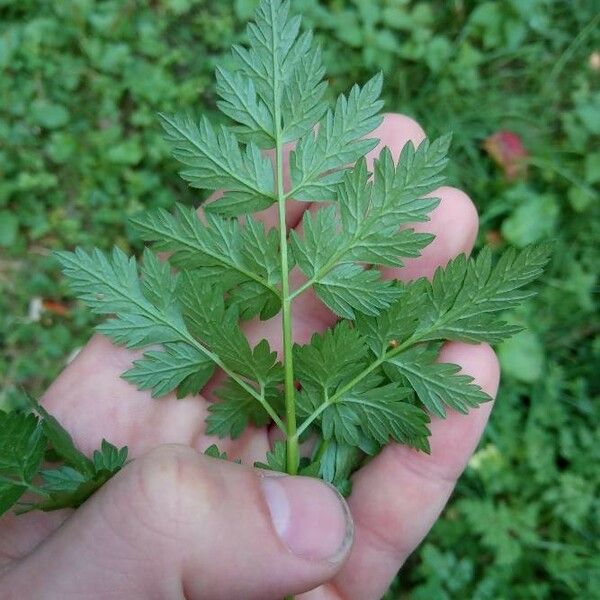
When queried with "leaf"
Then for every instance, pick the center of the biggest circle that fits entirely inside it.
(63, 479)
(372, 213)
(462, 302)
(22, 445)
(162, 371)
(24, 439)
(68, 487)
(371, 228)
(240, 101)
(465, 298)
(397, 323)
(215, 160)
(69, 496)
(204, 311)
(337, 464)
(10, 494)
(348, 289)
(276, 458)
(61, 441)
(112, 286)
(250, 299)
(106, 285)
(315, 250)
(220, 249)
(302, 104)
(109, 457)
(368, 410)
(214, 452)
(437, 384)
(337, 144)
(330, 358)
(235, 410)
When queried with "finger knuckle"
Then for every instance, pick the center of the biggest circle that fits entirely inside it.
(174, 485)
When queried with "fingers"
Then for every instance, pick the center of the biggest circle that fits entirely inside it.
(177, 524)
(397, 497)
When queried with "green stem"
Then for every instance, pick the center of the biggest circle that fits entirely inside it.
(237, 378)
(289, 388)
(292, 458)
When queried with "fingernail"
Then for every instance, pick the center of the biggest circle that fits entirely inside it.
(312, 520)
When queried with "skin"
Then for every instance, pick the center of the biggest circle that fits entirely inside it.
(175, 524)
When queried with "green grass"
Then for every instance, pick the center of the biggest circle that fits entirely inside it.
(80, 149)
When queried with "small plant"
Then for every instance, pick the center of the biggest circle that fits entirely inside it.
(371, 378)
(29, 440)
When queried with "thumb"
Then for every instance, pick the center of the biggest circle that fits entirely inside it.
(176, 524)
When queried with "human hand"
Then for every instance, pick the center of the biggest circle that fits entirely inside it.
(177, 524)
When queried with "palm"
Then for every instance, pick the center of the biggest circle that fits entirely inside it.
(396, 498)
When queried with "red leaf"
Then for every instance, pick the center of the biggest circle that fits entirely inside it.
(56, 308)
(506, 149)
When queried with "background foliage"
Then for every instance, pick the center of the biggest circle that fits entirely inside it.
(80, 148)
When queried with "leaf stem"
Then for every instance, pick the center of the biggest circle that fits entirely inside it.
(257, 395)
(22, 483)
(292, 453)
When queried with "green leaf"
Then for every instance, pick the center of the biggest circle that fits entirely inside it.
(302, 104)
(24, 439)
(234, 412)
(214, 452)
(281, 68)
(109, 457)
(240, 101)
(162, 371)
(9, 228)
(63, 479)
(370, 228)
(368, 410)
(106, 284)
(316, 249)
(276, 458)
(10, 494)
(462, 302)
(397, 323)
(158, 282)
(317, 162)
(337, 464)
(348, 289)
(372, 213)
(69, 496)
(330, 358)
(22, 445)
(62, 442)
(204, 311)
(112, 286)
(221, 250)
(465, 298)
(215, 160)
(251, 299)
(535, 219)
(437, 384)
(523, 357)
(69, 487)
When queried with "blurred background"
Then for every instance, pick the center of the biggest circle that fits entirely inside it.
(517, 81)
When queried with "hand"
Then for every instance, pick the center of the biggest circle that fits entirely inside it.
(177, 524)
